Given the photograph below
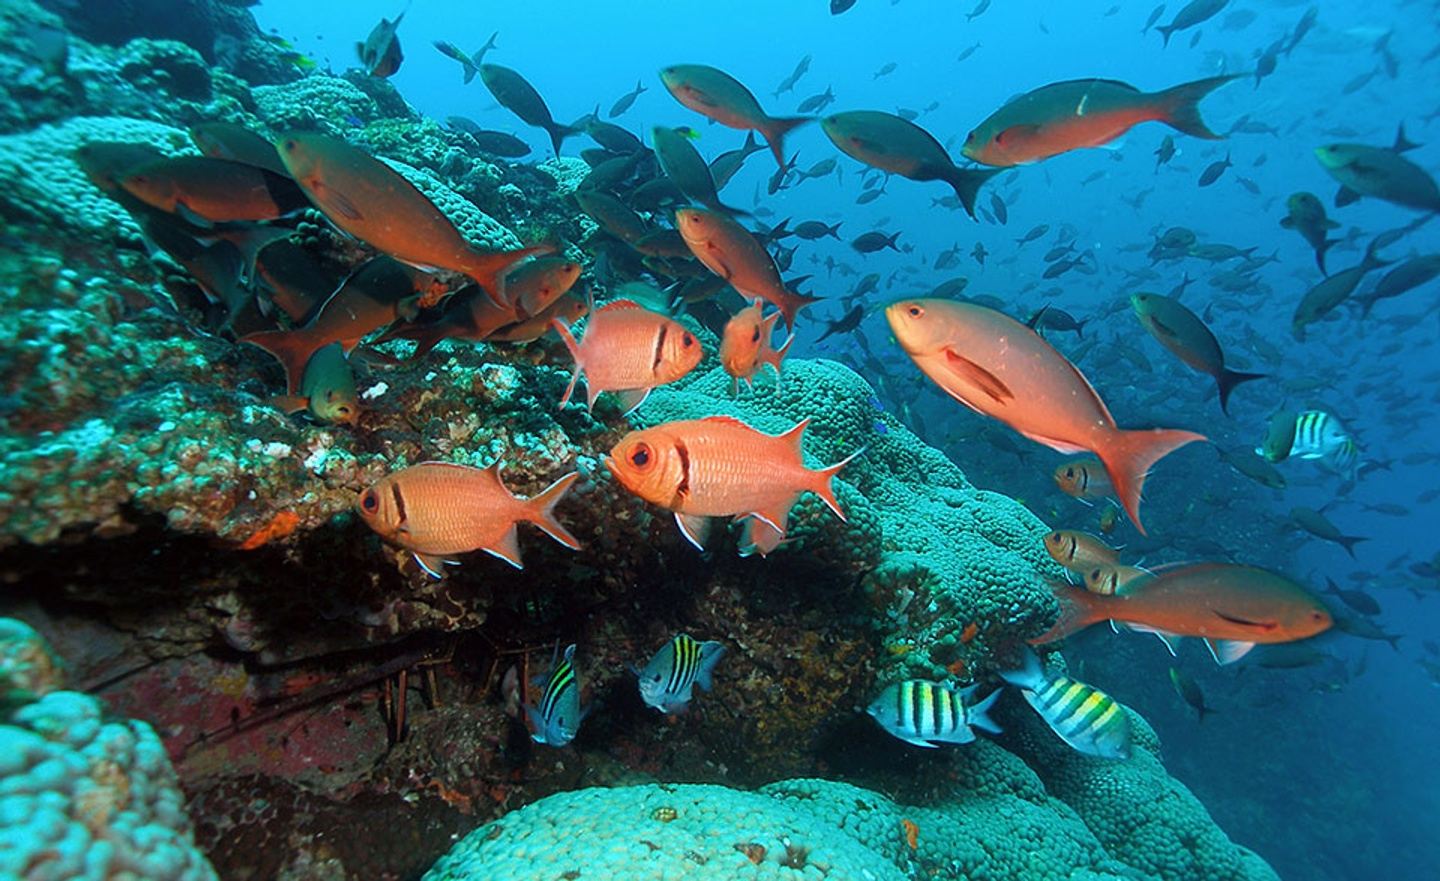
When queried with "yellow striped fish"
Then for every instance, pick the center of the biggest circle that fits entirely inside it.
(557, 720)
(926, 713)
(683, 663)
(1088, 719)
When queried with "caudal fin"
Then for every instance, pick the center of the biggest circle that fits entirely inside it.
(1128, 457)
(1165, 31)
(487, 268)
(568, 338)
(1079, 608)
(1226, 382)
(542, 511)
(558, 134)
(774, 131)
(292, 348)
(1180, 106)
(1349, 542)
(967, 183)
(823, 486)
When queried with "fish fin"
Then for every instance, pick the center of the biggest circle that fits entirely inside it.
(542, 510)
(563, 329)
(1226, 381)
(507, 547)
(774, 131)
(1345, 196)
(558, 133)
(1079, 608)
(1402, 143)
(591, 395)
(777, 355)
(292, 348)
(1179, 106)
(289, 403)
(1287, 223)
(977, 716)
(1030, 674)
(1170, 640)
(761, 537)
(695, 528)
(915, 741)
(1128, 457)
(710, 655)
(967, 182)
(1349, 541)
(978, 376)
(487, 268)
(631, 399)
(824, 487)
(1228, 651)
(433, 565)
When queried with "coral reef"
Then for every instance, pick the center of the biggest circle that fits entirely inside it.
(83, 795)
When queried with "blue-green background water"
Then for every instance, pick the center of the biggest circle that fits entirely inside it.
(1327, 770)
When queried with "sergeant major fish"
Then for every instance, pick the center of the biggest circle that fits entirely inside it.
(557, 719)
(1086, 718)
(667, 681)
(925, 713)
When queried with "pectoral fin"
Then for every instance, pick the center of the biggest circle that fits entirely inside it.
(978, 376)
(1228, 651)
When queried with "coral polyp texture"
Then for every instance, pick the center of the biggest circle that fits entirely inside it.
(82, 794)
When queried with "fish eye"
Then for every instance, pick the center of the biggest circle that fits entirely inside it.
(1069, 472)
(915, 311)
(687, 340)
(755, 337)
(640, 457)
(370, 501)
(656, 677)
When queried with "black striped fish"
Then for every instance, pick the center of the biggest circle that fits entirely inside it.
(557, 720)
(682, 663)
(926, 713)
(1088, 719)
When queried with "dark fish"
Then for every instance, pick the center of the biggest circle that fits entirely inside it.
(226, 140)
(870, 242)
(978, 11)
(1302, 27)
(624, 102)
(498, 143)
(1358, 600)
(1190, 692)
(1318, 525)
(516, 94)
(1034, 233)
(997, 205)
(1381, 173)
(839, 6)
(716, 95)
(684, 165)
(1307, 217)
(967, 52)
(1193, 13)
(1213, 171)
(380, 54)
(811, 230)
(1152, 18)
(892, 144)
(1320, 300)
(612, 137)
(845, 323)
(1188, 338)
(727, 164)
(205, 191)
(1405, 277)
(1052, 318)
(817, 103)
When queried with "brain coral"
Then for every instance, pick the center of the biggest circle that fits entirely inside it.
(44, 182)
(85, 796)
(941, 554)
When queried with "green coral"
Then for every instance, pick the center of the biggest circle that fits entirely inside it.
(477, 226)
(317, 101)
(84, 795)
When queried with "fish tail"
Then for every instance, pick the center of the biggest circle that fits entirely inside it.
(291, 348)
(778, 355)
(542, 510)
(558, 134)
(1179, 106)
(792, 306)
(1030, 674)
(488, 267)
(1128, 457)
(1348, 542)
(978, 715)
(774, 131)
(825, 488)
(1226, 382)
(1079, 608)
(967, 183)
(1320, 260)
(569, 339)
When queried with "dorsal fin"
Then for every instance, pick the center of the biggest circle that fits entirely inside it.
(620, 306)
(796, 437)
(728, 420)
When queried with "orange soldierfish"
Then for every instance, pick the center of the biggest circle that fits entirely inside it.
(1066, 116)
(731, 252)
(436, 510)
(372, 297)
(721, 467)
(717, 95)
(205, 191)
(629, 350)
(1231, 607)
(367, 199)
(1083, 479)
(998, 367)
(745, 344)
(1079, 551)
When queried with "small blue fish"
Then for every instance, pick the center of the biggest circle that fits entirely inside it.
(666, 681)
(881, 428)
(926, 713)
(558, 718)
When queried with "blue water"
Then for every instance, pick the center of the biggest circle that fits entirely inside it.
(1329, 770)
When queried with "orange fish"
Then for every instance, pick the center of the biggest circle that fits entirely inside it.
(367, 199)
(1084, 479)
(721, 467)
(204, 191)
(1069, 115)
(717, 95)
(372, 297)
(745, 345)
(568, 309)
(998, 367)
(436, 510)
(912, 833)
(1231, 607)
(1112, 578)
(731, 252)
(1079, 551)
(629, 350)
